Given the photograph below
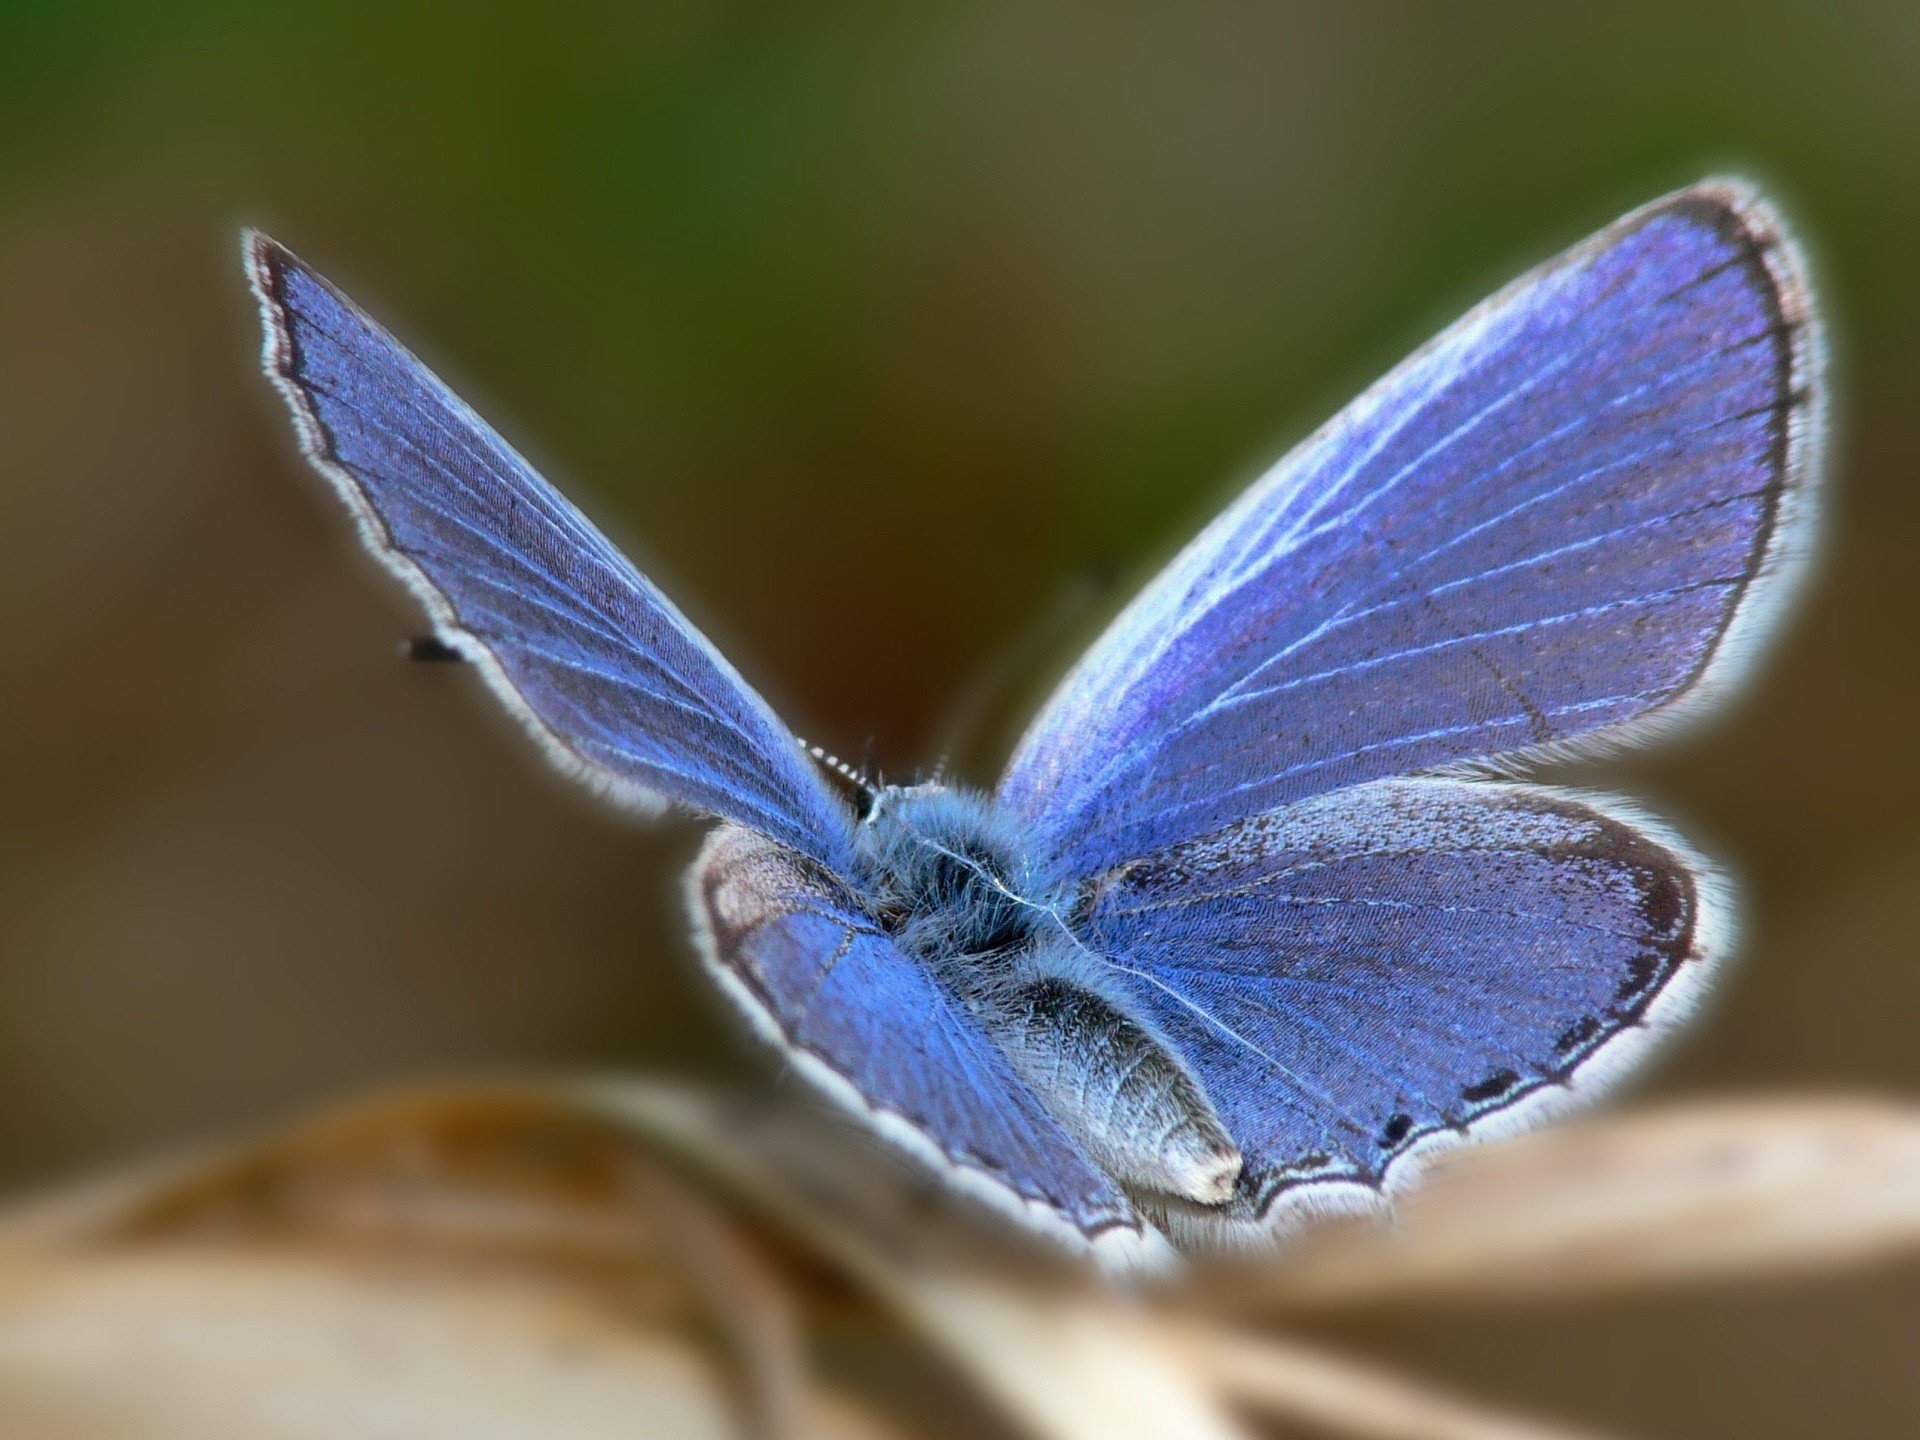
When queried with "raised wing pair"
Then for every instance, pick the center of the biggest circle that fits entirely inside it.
(1250, 922)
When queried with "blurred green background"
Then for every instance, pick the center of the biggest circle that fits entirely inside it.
(875, 329)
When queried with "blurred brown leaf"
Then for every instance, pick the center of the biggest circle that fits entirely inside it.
(578, 1259)
(138, 1345)
(538, 1260)
(1647, 1198)
(472, 1260)
(1334, 1395)
(1068, 1356)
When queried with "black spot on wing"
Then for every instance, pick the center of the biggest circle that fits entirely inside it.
(1491, 1088)
(1577, 1035)
(1396, 1131)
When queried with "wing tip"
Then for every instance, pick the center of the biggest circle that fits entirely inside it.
(1787, 553)
(264, 259)
(1745, 213)
(1787, 547)
(256, 245)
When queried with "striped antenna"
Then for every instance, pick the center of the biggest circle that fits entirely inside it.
(840, 767)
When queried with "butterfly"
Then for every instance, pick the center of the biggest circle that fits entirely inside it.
(1263, 911)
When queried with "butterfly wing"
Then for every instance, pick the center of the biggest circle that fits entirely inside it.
(610, 678)
(1367, 974)
(1565, 519)
(873, 1029)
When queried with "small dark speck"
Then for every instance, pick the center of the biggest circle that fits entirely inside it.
(1577, 1034)
(1641, 972)
(431, 651)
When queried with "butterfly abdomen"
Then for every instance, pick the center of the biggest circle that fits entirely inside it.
(1116, 1086)
(947, 874)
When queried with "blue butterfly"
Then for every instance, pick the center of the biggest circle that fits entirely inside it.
(1260, 914)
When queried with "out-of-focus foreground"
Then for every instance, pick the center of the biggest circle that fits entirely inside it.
(567, 1261)
(877, 334)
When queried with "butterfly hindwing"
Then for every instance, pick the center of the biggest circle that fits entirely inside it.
(875, 1031)
(612, 680)
(1363, 972)
(1563, 519)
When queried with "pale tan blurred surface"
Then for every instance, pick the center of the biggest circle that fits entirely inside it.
(871, 333)
(571, 1258)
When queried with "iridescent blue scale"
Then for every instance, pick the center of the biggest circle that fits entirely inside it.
(1263, 910)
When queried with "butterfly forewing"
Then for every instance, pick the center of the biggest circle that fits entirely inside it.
(1554, 524)
(600, 666)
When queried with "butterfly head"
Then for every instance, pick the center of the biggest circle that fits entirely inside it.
(947, 870)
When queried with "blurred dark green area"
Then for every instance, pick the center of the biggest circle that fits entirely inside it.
(874, 329)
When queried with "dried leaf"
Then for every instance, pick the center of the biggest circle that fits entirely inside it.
(270, 1348)
(1335, 1396)
(1653, 1198)
(1070, 1358)
(487, 1237)
(692, 1235)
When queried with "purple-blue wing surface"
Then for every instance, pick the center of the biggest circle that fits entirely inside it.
(872, 1028)
(1563, 519)
(1408, 961)
(585, 651)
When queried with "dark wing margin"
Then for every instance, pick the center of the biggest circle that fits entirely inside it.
(870, 1028)
(1565, 523)
(1369, 977)
(615, 685)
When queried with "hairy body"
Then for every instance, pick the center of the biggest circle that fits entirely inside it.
(948, 873)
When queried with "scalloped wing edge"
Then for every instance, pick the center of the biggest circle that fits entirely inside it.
(1120, 1251)
(1296, 1205)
